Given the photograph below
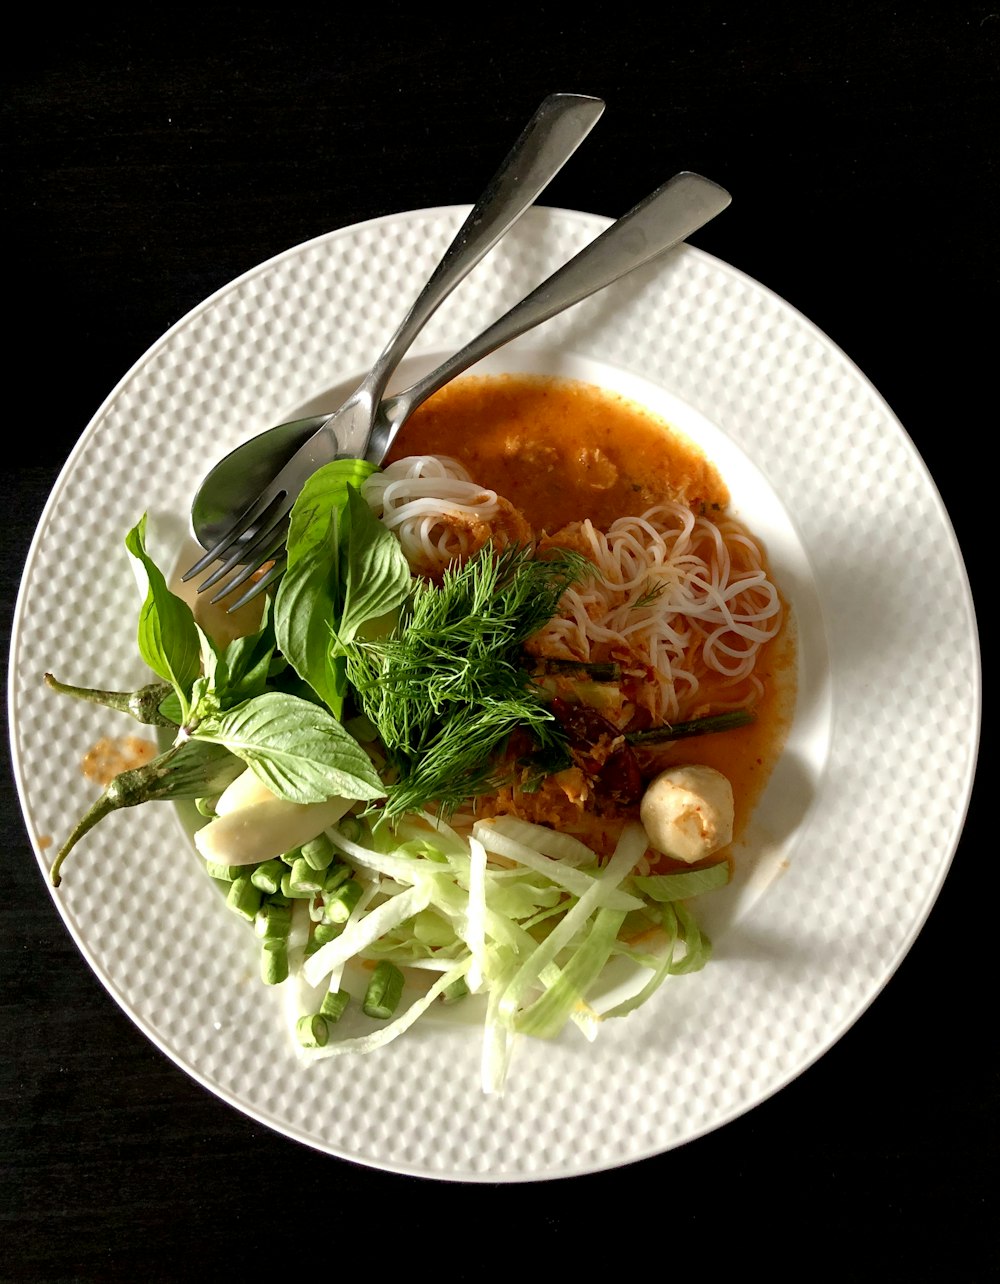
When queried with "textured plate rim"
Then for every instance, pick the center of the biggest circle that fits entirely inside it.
(918, 918)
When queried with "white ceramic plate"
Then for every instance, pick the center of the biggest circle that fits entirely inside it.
(850, 843)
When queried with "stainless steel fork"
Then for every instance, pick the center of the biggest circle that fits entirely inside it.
(546, 143)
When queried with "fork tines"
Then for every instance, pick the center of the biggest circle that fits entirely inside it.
(254, 541)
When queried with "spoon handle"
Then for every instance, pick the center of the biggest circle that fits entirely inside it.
(675, 210)
(546, 143)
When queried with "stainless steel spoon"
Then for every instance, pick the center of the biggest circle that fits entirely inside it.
(286, 455)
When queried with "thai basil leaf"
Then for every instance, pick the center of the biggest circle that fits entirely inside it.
(344, 570)
(309, 596)
(249, 661)
(321, 499)
(213, 666)
(374, 570)
(167, 635)
(297, 749)
(304, 610)
(203, 701)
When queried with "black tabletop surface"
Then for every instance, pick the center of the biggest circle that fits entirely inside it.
(147, 162)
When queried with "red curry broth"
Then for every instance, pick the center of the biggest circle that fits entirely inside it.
(560, 450)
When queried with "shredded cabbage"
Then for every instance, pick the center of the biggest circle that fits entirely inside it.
(523, 917)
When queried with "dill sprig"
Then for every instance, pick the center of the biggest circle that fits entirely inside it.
(447, 688)
(653, 592)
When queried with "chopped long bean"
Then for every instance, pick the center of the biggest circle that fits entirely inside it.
(385, 989)
(304, 878)
(273, 922)
(334, 1005)
(293, 893)
(334, 876)
(340, 903)
(268, 876)
(244, 898)
(274, 961)
(225, 873)
(318, 853)
(312, 1031)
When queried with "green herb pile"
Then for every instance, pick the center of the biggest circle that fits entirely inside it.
(447, 688)
(434, 669)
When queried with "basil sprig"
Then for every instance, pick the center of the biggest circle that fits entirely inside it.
(167, 634)
(271, 701)
(225, 697)
(345, 569)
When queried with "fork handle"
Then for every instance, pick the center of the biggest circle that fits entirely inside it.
(675, 210)
(546, 143)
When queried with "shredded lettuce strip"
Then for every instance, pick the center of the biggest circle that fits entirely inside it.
(502, 909)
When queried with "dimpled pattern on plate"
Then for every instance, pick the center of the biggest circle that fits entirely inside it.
(789, 977)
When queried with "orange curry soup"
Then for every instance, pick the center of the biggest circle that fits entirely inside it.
(562, 451)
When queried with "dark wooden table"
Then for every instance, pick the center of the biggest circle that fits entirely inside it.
(147, 162)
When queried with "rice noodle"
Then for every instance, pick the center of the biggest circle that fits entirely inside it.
(438, 512)
(682, 602)
(676, 598)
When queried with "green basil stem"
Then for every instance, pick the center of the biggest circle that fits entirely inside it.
(188, 769)
(143, 704)
(696, 727)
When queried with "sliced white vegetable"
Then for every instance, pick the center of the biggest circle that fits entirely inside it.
(262, 830)
(245, 791)
(405, 869)
(357, 936)
(498, 1037)
(629, 851)
(369, 892)
(561, 847)
(475, 918)
(576, 881)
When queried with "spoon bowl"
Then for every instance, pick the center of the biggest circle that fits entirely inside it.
(239, 477)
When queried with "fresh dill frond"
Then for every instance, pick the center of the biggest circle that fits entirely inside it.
(652, 593)
(447, 689)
